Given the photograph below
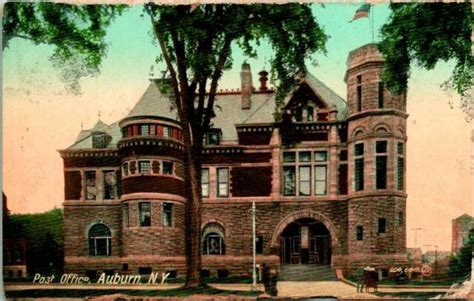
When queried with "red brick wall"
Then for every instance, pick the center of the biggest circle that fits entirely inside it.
(162, 184)
(251, 181)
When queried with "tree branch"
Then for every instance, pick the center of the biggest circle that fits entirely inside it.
(166, 57)
(224, 54)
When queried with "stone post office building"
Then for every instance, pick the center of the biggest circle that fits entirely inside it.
(329, 184)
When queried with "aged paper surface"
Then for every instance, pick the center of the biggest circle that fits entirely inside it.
(357, 190)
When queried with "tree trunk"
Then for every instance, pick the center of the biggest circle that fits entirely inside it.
(192, 170)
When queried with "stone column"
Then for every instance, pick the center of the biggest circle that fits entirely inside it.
(275, 142)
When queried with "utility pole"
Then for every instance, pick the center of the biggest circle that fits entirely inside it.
(254, 269)
(416, 231)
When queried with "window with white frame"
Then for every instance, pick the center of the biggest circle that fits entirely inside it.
(167, 214)
(359, 166)
(223, 182)
(110, 184)
(205, 182)
(125, 169)
(144, 166)
(144, 214)
(167, 167)
(126, 216)
(381, 164)
(298, 173)
(100, 240)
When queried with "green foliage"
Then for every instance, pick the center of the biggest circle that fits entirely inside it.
(204, 33)
(426, 33)
(460, 264)
(76, 31)
(45, 239)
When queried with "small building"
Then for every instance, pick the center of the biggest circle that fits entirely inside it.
(463, 226)
(415, 255)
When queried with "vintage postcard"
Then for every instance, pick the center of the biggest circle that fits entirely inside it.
(230, 151)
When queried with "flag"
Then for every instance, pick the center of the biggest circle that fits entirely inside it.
(361, 12)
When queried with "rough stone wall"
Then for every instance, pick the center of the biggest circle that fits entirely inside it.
(155, 239)
(78, 220)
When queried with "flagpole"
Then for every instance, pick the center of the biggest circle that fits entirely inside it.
(372, 18)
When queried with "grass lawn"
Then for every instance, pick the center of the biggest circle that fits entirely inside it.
(82, 293)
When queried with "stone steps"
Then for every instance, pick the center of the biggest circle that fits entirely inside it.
(309, 272)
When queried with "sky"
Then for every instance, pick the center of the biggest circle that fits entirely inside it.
(40, 117)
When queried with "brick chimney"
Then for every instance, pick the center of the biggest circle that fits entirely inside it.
(263, 80)
(246, 86)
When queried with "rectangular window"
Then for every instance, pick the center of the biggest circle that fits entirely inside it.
(126, 217)
(359, 149)
(359, 93)
(343, 179)
(222, 182)
(320, 180)
(289, 180)
(380, 147)
(125, 169)
(205, 182)
(400, 218)
(382, 225)
(167, 168)
(110, 185)
(359, 174)
(166, 131)
(400, 166)
(144, 130)
(304, 156)
(381, 100)
(321, 156)
(259, 244)
(91, 190)
(144, 212)
(289, 157)
(212, 137)
(359, 167)
(343, 155)
(381, 172)
(360, 233)
(144, 167)
(144, 270)
(305, 180)
(167, 214)
(99, 141)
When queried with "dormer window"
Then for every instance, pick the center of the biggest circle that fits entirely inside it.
(99, 140)
(298, 114)
(212, 137)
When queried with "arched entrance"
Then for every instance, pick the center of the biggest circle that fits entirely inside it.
(305, 241)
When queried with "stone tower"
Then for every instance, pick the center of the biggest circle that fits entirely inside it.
(377, 156)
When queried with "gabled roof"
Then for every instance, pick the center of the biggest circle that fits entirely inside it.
(84, 140)
(327, 95)
(153, 103)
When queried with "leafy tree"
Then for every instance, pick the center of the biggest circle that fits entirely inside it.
(460, 263)
(45, 239)
(195, 43)
(426, 33)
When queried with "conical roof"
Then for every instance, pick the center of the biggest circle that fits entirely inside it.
(153, 103)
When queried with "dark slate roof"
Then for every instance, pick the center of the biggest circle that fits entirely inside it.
(227, 108)
(84, 140)
(153, 103)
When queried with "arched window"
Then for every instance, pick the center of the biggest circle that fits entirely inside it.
(100, 240)
(213, 240)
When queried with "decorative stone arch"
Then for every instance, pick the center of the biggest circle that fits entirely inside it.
(305, 214)
(401, 131)
(215, 221)
(96, 222)
(358, 131)
(382, 128)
